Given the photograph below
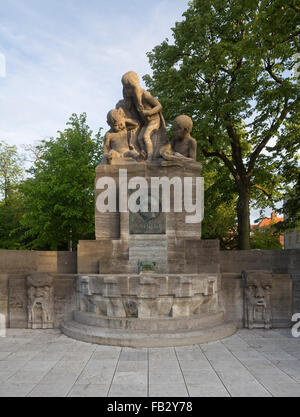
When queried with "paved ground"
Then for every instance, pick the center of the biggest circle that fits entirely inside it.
(250, 363)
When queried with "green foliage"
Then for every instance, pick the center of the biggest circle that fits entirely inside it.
(59, 195)
(11, 212)
(230, 68)
(265, 238)
(10, 169)
(220, 200)
(291, 208)
(11, 173)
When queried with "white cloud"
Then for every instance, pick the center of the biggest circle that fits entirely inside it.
(74, 64)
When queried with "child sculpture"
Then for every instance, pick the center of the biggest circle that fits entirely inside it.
(117, 143)
(182, 146)
(148, 108)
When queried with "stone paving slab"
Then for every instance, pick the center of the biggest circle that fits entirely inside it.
(251, 363)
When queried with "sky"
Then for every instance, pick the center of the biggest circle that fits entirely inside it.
(62, 57)
(65, 57)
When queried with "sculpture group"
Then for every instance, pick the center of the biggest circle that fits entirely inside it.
(146, 282)
(138, 130)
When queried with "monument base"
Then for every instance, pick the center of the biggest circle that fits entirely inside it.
(127, 337)
(148, 310)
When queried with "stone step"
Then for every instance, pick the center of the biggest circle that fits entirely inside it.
(139, 339)
(150, 324)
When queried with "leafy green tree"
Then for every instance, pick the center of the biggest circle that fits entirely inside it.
(11, 170)
(11, 173)
(291, 173)
(59, 195)
(11, 213)
(292, 206)
(267, 238)
(220, 198)
(230, 67)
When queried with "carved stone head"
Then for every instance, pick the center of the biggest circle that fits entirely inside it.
(116, 119)
(39, 279)
(257, 287)
(182, 125)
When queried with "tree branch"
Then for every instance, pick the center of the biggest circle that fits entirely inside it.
(268, 68)
(273, 129)
(296, 8)
(235, 142)
(266, 192)
(224, 158)
(292, 36)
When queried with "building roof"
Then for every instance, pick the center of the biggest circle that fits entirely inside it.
(268, 221)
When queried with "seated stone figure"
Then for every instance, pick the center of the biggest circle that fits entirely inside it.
(117, 143)
(182, 148)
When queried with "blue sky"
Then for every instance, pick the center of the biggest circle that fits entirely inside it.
(68, 56)
(65, 57)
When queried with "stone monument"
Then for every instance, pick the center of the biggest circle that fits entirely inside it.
(148, 279)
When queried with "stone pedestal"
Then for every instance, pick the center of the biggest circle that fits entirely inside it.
(178, 302)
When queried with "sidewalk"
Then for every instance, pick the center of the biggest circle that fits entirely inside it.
(250, 363)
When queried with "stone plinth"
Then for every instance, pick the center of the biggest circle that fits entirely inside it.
(178, 301)
(117, 225)
(148, 310)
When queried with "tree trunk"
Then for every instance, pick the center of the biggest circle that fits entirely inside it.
(243, 214)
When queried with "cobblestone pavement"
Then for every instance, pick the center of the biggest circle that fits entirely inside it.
(37, 363)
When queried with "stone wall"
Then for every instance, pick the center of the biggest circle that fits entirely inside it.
(285, 266)
(19, 262)
(16, 265)
(281, 298)
(175, 255)
(64, 287)
(183, 256)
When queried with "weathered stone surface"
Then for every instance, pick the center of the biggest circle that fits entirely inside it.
(279, 261)
(296, 292)
(17, 302)
(257, 299)
(129, 338)
(116, 225)
(148, 248)
(40, 301)
(281, 298)
(148, 295)
(183, 148)
(147, 223)
(22, 262)
(63, 299)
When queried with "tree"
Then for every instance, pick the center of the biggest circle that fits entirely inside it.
(220, 197)
(267, 238)
(230, 68)
(59, 195)
(11, 173)
(292, 206)
(11, 170)
(11, 213)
